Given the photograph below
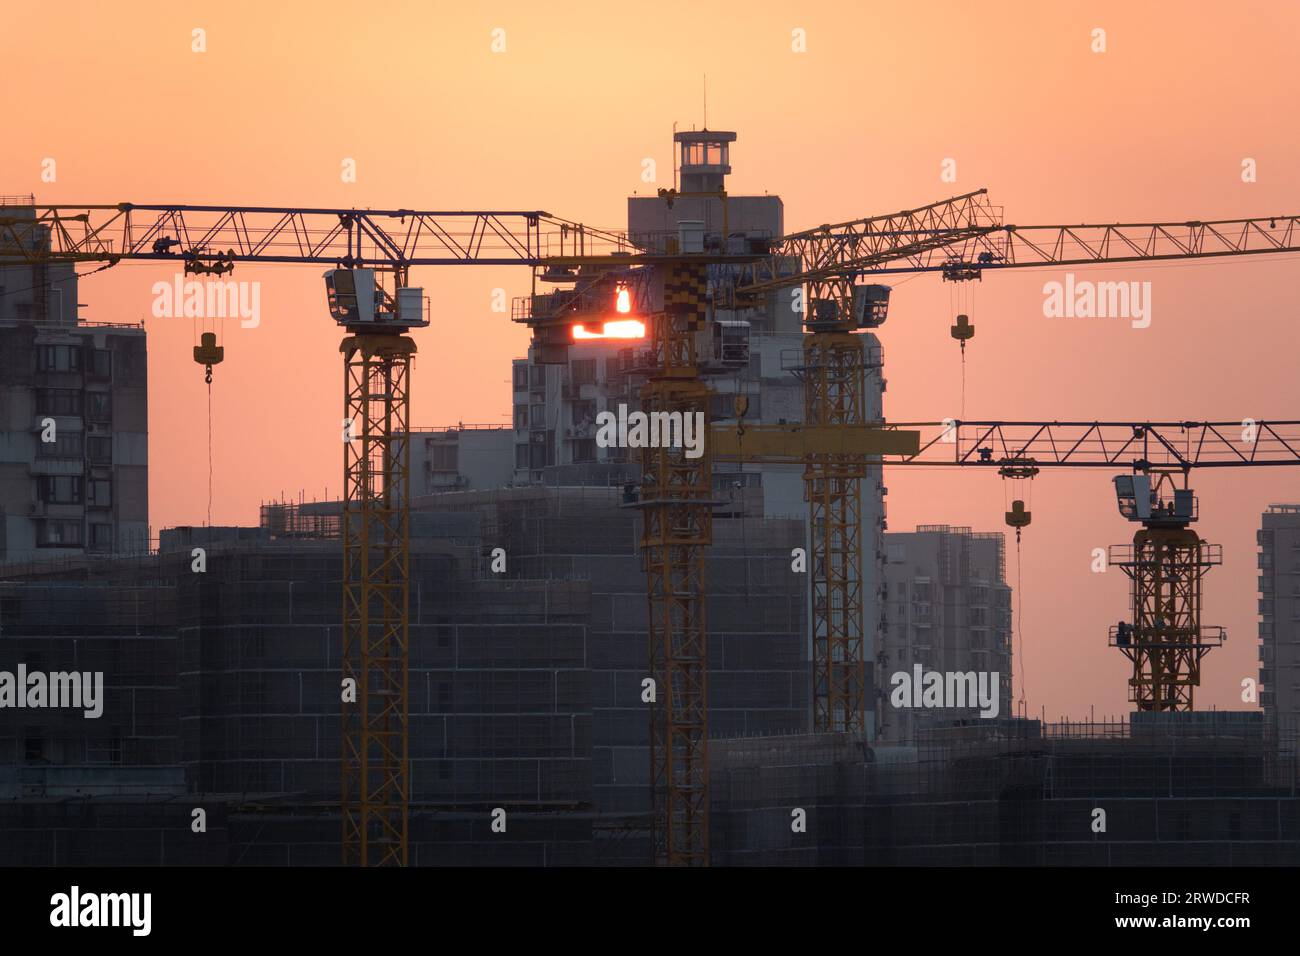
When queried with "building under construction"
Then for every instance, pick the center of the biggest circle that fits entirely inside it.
(526, 696)
(515, 625)
(1203, 789)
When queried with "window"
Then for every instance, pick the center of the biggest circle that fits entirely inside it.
(521, 417)
(58, 358)
(59, 534)
(442, 457)
(100, 493)
(521, 377)
(521, 456)
(584, 450)
(537, 456)
(537, 376)
(65, 445)
(99, 449)
(537, 416)
(58, 401)
(101, 364)
(704, 154)
(60, 489)
(584, 413)
(130, 367)
(101, 537)
(582, 371)
(99, 406)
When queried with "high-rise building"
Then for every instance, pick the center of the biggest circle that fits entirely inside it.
(1279, 615)
(73, 419)
(948, 609)
(755, 352)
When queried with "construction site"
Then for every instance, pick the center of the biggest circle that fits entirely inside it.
(551, 642)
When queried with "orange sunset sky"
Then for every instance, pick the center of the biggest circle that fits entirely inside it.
(1155, 128)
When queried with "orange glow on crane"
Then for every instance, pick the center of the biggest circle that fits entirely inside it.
(621, 329)
(624, 304)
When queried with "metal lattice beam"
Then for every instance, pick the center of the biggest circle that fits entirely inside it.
(1098, 444)
(389, 238)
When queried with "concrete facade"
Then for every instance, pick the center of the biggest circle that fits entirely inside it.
(462, 458)
(74, 458)
(1279, 613)
(948, 609)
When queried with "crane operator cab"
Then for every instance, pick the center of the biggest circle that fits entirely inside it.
(1139, 500)
(357, 301)
(868, 305)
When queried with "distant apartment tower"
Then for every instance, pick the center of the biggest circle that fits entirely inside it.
(73, 417)
(1279, 616)
(947, 608)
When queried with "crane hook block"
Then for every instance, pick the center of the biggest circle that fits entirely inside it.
(963, 330)
(208, 353)
(1018, 517)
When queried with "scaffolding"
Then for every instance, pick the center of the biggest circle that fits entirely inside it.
(1220, 788)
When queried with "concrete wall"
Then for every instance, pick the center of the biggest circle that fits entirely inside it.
(458, 459)
(95, 394)
(1279, 607)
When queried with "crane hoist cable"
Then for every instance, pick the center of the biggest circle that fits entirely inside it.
(1020, 633)
(209, 383)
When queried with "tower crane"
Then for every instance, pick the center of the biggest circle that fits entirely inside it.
(1164, 639)
(370, 253)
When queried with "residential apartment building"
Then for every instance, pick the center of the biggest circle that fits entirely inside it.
(73, 420)
(947, 608)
